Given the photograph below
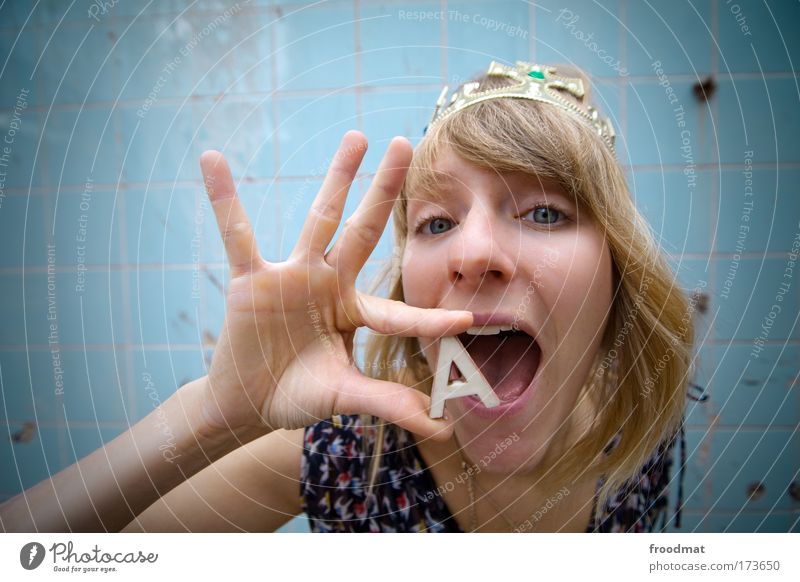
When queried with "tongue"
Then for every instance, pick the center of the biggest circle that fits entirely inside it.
(508, 363)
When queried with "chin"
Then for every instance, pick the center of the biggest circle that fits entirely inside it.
(496, 450)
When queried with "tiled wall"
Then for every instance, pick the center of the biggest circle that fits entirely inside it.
(107, 107)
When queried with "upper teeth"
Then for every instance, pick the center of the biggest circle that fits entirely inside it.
(489, 329)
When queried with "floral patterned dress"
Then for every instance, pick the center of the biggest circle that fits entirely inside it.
(337, 454)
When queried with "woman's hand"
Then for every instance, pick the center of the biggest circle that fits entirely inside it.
(284, 357)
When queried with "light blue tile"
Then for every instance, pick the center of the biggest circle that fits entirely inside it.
(582, 33)
(20, 48)
(63, 386)
(677, 35)
(298, 524)
(607, 98)
(27, 463)
(745, 522)
(102, 305)
(753, 290)
(23, 160)
(695, 470)
(95, 389)
(23, 233)
(315, 46)
(161, 222)
(86, 231)
(164, 307)
(758, 116)
(145, 11)
(694, 276)
(159, 373)
(745, 458)
(755, 390)
(697, 412)
(104, 310)
(16, 14)
(654, 133)
(678, 208)
(160, 144)
(236, 57)
(56, 386)
(763, 218)
(399, 44)
(95, 12)
(11, 309)
(310, 131)
(480, 32)
(155, 61)
(691, 274)
(755, 36)
(81, 145)
(241, 128)
(20, 403)
(70, 74)
(387, 115)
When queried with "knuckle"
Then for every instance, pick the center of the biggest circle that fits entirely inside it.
(368, 233)
(236, 230)
(326, 211)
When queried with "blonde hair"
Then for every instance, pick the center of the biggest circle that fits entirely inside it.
(638, 381)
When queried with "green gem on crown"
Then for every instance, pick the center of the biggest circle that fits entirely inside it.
(536, 75)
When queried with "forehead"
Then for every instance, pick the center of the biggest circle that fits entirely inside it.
(450, 174)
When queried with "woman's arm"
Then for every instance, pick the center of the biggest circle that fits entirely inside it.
(111, 486)
(283, 360)
(256, 488)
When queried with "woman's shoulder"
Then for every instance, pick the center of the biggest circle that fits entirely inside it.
(639, 504)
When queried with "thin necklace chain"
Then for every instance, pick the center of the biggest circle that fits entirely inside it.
(473, 513)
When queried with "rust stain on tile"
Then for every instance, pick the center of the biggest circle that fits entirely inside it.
(755, 491)
(25, 434)
(214, 281)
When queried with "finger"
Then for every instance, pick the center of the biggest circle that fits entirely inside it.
(326, 210)
(363, 230)
(237, 234)
(391, 317)
(396, 403)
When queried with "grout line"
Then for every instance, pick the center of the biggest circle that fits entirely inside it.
(124, 104)
(45, 190)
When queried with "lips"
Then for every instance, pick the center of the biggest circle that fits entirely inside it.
(508, 360)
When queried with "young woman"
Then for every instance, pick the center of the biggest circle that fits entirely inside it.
(515, 230)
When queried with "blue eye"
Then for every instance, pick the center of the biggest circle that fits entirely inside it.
(437, 225)
(546, 215)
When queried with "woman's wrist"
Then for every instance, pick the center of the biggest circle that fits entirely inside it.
(203, 440)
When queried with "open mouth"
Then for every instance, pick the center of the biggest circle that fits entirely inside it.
(506, 357)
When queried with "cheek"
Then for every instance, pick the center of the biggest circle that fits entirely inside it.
(582, 286)
(417, 269)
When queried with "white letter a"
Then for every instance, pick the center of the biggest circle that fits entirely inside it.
(452, 352)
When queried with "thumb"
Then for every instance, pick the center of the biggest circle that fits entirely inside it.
(394, 402)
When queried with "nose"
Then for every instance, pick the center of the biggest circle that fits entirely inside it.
(477, 254)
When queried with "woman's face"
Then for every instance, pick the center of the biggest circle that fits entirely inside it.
(516, 252)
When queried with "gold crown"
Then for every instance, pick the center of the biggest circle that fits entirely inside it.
(533, 82)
